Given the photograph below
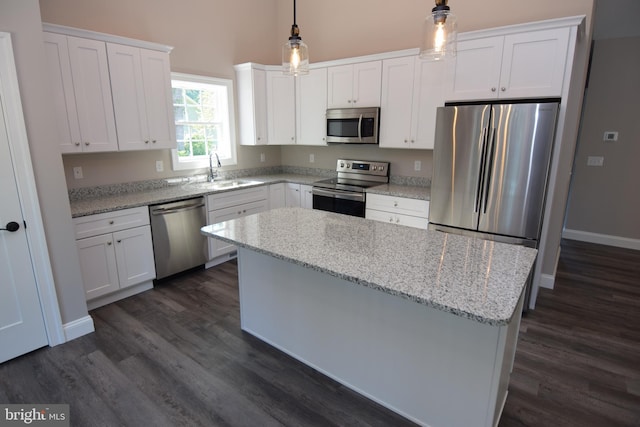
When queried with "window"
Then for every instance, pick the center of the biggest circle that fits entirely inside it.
(203, 111)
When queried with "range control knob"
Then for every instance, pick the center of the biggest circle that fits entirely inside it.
(341, 165)
(375, 168)
(380, 168)
(348, 165)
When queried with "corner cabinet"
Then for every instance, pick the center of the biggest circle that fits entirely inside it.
(354, 85)
(115, 253)
(411, 93)
(519, 65)
(79, 77)
(110, 93)
(298, 195)
(142, 97)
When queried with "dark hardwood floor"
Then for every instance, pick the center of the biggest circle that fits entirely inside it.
(176, 356)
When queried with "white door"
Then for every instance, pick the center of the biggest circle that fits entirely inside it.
(22, 327)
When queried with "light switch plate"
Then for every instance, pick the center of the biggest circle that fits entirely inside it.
(595, 161)
(417, 165)
(77, 172)
(159, 166)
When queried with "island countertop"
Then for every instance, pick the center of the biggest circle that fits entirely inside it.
(469, 277)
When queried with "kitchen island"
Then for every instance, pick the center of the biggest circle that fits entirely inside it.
(423, 322)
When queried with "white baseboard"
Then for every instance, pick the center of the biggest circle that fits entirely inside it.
(602, 239)
(77, 328)
(547, 281)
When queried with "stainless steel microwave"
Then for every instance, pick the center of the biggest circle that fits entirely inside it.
(353, 125)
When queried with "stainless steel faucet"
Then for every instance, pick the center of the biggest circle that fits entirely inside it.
(213, 174)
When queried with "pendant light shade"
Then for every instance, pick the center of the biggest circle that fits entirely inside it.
(439, 34)
(295, 54)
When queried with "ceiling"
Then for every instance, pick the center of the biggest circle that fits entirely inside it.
(616, 19)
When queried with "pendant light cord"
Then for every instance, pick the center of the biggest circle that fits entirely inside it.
(294, 12)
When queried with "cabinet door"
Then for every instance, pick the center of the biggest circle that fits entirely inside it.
(128, 93)
(340, 86)
(98, 265)
(92, 88)
(427, 97)
(475, 71)
(218, 217)
(61, 82)
(311, 97)
(397, 101)
(281, 108)
(252, 104)
(533, 63)
(306, 196)
(134, 256)
(292, 195)
(367, 80)
(156, 72)
(277, 195)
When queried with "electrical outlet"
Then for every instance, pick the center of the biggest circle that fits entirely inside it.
(262, 157)
(159, 165)
(77, 172)
(312, 158)
(595, 161)
(417, 165)
(610, 136)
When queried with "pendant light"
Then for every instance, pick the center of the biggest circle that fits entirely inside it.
(439, 33)
(295, 55)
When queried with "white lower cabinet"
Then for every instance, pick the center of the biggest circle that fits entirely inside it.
(115, 251)
(277, 198)
(231, 205)
(298, 195)
(398, 210)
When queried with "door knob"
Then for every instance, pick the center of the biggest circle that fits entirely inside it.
(11, 226)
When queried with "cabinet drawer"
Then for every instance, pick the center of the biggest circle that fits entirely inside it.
(93, 225)
(395, 218)
(237, 197)
(399, 205)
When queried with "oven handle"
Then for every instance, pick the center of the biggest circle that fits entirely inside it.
(358, 197)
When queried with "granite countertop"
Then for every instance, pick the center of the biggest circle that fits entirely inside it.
(96, 203)
(472, 278)
(408, 191)
(100, 203)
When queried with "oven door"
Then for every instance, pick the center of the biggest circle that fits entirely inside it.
(343, 202)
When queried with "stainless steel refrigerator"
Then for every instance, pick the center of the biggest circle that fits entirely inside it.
(490, 167)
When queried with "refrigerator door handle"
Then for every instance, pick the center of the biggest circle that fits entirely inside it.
(490, 157)
(483, 157)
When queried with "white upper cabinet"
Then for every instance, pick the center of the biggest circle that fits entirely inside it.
(252, 104)
(354, 85)
(281, 108)
(79, 74)
(521, 65)
(411, 92)
(296, 107)
(141, 88)
(110, 93)
(311, 108)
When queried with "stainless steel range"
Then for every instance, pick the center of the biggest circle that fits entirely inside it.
(346, 193)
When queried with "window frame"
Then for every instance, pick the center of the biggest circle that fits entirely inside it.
(203, 162)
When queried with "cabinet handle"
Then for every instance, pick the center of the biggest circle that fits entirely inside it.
(77, 144)
(119, 241)
(503, 89)
(153, 141)
(413, 141)
(146, 142)
(405, 141)
(493, 89)
(259, 138)
(111, 222)
(292, 138)
(244, 211)
(349, 101)
(395, 204)
(86, 143)
(397, 220)
(109, 243)
(390, 219)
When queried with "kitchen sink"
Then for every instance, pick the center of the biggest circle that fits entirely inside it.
(224, 185)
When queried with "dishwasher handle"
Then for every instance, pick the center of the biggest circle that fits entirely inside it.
(166, 211)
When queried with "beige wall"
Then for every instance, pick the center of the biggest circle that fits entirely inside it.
(605, 200)
(22, 19)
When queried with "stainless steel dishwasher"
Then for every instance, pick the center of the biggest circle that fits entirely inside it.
(177, 242)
